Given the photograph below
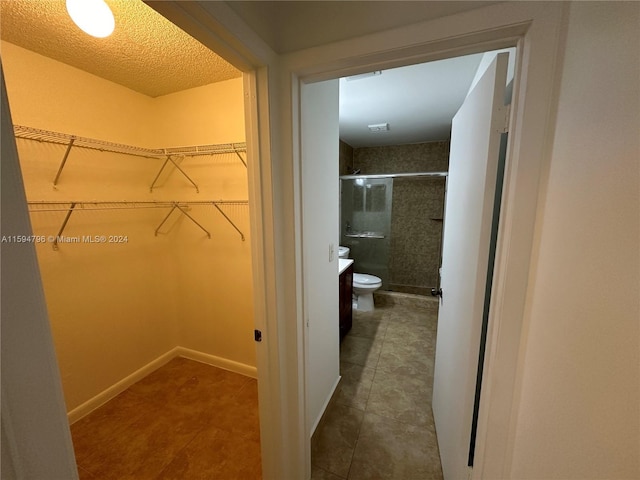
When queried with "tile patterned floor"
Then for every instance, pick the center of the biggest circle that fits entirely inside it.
(380, 425)
(186, 420)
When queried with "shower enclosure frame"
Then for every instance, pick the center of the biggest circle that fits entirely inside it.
(380, 176)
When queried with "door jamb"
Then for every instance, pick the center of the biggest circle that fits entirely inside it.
(508, 315)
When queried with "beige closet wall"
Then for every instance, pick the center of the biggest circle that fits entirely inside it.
(213, 277)
(45, 92)
(114, 308)
(209, 114)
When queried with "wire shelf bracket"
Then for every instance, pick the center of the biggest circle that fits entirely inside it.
(229, 220)
(167, 160)
(63, 226)
(64, 161)
(237, 152)
(183, 211)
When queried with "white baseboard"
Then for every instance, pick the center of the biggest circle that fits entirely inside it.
(119, 387)
(219, 362)
(324, 407)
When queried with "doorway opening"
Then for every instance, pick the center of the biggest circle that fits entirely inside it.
(382, 183)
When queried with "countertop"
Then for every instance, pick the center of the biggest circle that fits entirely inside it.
(343, 264)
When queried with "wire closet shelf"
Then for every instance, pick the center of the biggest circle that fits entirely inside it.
(69, 207)
(169, 154)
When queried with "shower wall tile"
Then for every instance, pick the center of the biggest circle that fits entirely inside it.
(416, 230)
(346, 158)
(417, 209)
(417, 157)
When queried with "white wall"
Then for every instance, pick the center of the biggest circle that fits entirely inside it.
(319, 131)
(579, 414)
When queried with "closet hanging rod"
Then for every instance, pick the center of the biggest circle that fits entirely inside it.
(394, 175)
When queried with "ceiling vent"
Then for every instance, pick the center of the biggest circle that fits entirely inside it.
(379, 127)
(364, 75)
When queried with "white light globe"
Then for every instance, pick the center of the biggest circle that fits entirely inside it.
(92, 16)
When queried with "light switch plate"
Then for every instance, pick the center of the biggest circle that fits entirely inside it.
(332, 252)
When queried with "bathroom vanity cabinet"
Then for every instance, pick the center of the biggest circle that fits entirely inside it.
(346, 303)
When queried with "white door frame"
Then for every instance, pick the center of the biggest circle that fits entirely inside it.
(535, 30)
(275, 195)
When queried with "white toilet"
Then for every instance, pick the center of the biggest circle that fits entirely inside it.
(363, 286)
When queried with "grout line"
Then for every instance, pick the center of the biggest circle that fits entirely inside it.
(376, 370)
(355, 445)
(330, 472)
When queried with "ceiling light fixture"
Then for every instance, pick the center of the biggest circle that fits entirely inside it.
(92, 16)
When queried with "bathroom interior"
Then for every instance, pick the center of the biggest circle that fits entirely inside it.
(395, 129)
(391, 216)
(393, 162)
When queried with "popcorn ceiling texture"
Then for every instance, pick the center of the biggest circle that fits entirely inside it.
(145, 53)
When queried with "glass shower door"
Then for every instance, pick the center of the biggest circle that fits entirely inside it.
(365, 224)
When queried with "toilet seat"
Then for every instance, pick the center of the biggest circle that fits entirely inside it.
(364, 280)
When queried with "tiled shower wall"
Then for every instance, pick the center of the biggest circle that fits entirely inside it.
(416, 218)
(346, 159)
(417, 157)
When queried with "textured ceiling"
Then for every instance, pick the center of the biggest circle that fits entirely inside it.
(145, 53)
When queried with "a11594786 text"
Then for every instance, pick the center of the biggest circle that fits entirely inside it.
(98, 239)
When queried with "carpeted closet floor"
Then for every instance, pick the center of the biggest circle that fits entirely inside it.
(186, 420)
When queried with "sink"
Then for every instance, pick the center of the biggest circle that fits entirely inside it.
(343, 264)
(343, 252)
